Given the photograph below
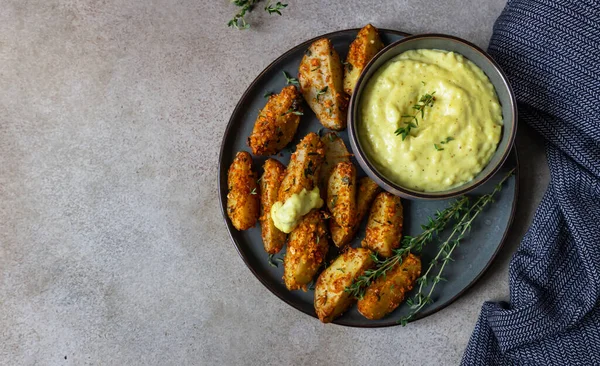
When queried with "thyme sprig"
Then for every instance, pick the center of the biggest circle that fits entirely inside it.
(289, 80)
(443, 142)
(409, 244)
(239, 20)
(426, 100)
(293, 111)
(444, 255)
(274, 260)
(321, 92)
(275, 9)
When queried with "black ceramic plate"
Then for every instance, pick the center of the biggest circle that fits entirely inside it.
(472, 258)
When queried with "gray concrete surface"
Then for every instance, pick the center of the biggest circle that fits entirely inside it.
(112, 247)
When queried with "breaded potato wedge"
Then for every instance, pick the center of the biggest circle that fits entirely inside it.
(341, 194)
(306, 250)
(384, 228)
(331, 299)
(243, 197)
(335, 152)
(273, 239)
(321, 83)
(367, 190)
(387, 292)
(277, 122)
(362, 49)
(304, 167)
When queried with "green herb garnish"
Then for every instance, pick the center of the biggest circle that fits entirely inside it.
(239, 20)
(409, 244)
(246, 6)
(293, 111)
(290, 80)
(275, 9)
(447, 140)
(426, 100)
(321, 92)
(459, 231)
(273, 260)
(459, 211)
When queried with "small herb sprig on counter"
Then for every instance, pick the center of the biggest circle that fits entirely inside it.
(426, 100)
(239, 20)
(409, 244)
(275, 9)
(446, 248)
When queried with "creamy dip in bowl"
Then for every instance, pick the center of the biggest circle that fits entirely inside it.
(432, 116)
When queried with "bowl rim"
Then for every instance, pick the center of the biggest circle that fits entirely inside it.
(397, 189)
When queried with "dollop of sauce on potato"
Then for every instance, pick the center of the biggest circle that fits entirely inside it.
(455, 137)
(287, 215)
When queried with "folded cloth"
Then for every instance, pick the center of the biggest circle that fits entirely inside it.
(550, 50)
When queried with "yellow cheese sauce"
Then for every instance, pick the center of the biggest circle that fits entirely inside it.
(287, 215)
(454, 139)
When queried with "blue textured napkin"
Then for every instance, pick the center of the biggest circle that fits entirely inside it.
(551, 53)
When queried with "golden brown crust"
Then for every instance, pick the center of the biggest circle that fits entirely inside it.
(389, 291)
(335, 152)
(277, 123)
(362, 50)
(341, 194)
(367, 190)
(273, 238)
(306, 250)
(384, 228)
(304, 167)
(331, 299)
(243, 196)
(321, 82)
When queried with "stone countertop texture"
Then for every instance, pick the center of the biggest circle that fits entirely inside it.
(113, 250)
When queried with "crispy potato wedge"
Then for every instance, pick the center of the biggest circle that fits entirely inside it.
(341, 194)
(335, 152)
(243, 197)
(273, 238)
(384, 228)
(367, 190)
(306, 251)
(362, 49)
(277, 122)
(387, 292)
(321, 83)
(330, 298)
(304, 167)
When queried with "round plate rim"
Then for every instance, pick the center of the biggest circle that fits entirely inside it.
(223, 195)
